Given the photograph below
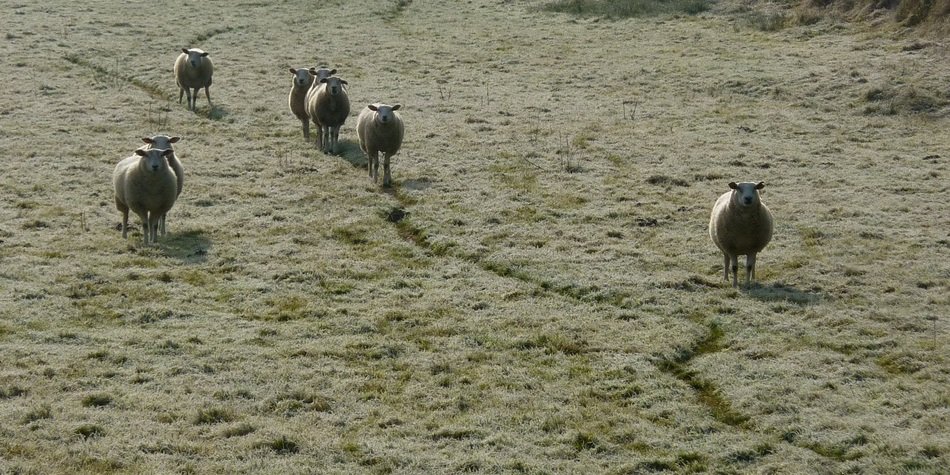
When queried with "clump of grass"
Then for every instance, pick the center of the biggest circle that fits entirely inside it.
(663, 180)
(213, 415)
(97, 400)
(89, 431)
(38, 413)
(627, 8)
(239, 430)
(12, 391)
(282, 446)
(553, 344)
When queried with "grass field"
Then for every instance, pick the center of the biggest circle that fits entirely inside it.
(536, 294)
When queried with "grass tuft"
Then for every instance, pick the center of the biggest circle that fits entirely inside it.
(89, 431)
(97, 400)
(628, 8)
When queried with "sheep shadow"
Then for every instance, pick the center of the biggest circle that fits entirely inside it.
(190, 246)
(351, 152)
(779, 292)
(217, 113)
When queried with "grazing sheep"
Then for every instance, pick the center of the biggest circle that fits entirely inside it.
(303, 82)
(740, 224)
(193, 71)
(165, 142)
(380, 130)
(328, 107)
(147, 185)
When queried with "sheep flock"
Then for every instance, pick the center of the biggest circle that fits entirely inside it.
(149, 182)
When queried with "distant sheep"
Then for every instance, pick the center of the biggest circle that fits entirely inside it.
(193, 71)
(328, 107)
(165, 142)
(740, 224)
(147, 185)
(380, 130)
(303, 82)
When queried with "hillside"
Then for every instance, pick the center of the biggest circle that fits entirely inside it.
(536, 294)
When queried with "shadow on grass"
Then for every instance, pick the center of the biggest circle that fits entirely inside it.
(217, 113)
(779, 292)
(350, 151)
(190, 246)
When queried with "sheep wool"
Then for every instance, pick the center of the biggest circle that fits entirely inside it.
(380, 130)
(165, 142)
(328, 107)
(193, 71)
(145, 184)
(304, 79)
(740, 224)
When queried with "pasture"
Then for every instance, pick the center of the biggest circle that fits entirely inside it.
(537, 293)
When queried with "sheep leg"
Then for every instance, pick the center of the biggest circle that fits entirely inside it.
(320, 137)
(161, 224)
(725, 267)
(734, 264)
(749, 269)
(207, 95)
(306, 129)
(181, 92)
(387, 178)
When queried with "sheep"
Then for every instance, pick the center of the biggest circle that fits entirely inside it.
(380, 129)
(146, 184)
(740, 224)
(303, 82)
(165, 142)
(193, 71)
(328, 107)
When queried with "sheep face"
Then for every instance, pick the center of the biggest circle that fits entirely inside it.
(334, 85)
(194, 56)
(153, 159)
(321, 73)
(746, 194)
(384, 113)
(302, 77)
(161, 141)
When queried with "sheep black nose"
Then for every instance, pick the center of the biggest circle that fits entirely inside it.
(748, 200)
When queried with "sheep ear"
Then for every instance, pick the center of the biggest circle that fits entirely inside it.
(323, 80)
(184, 50)
(146, 139)
(343, 82)
(204, 54)
(760, 185)
(372, 107)
(167, 152)
(733, 185)
(333, 71)
(396, 107)
(140, 152)
(293, 71)
(174, 139)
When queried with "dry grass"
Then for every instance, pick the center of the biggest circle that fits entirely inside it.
(536, 294)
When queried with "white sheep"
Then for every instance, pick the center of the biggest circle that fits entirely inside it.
(380, 130)
(165, 142)
(740, 224)
(193, 71)
(303, 82)
(328, 107)
(146, 184)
